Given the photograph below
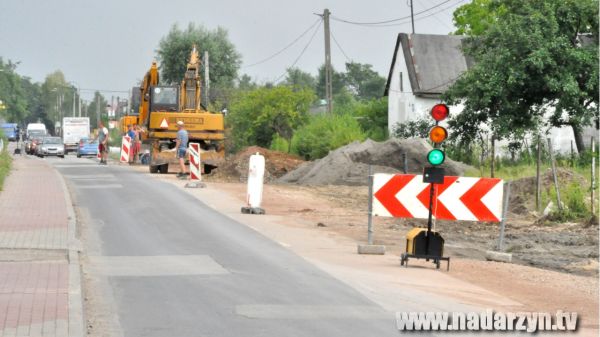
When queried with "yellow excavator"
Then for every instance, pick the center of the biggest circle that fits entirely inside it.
(163, 106)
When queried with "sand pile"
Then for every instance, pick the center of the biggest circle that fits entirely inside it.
(348, 165)
(277, 164)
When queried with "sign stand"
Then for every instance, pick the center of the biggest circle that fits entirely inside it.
(431, 175)
(370, 248)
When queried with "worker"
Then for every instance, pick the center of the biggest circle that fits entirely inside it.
(181, 146)
(102, 138)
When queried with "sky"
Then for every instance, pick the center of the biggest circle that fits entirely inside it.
(108, 45)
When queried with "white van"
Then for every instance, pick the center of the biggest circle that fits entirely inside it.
(36, 129)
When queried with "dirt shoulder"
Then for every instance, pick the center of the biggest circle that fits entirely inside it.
(340, 211)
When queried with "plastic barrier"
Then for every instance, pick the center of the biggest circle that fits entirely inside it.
(125, 149)
(256, 173)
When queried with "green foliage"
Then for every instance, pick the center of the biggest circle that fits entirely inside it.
(416, 128)
(256, 116)
(476, 17)
(324, 133)
(246, 83)
(363, 81)
(174, 53)
(12, 93)
(115, 137)
(98, 104)
(372, 115)
(299, 79)
(337, 82)
(531, 59)
(5, 164)
(573, 199)
(279, 144)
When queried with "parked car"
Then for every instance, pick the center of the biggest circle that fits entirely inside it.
(51, 146)
(86, 148)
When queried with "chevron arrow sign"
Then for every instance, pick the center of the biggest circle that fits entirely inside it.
(458, 198)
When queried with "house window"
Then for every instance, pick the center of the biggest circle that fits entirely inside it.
(401, 83)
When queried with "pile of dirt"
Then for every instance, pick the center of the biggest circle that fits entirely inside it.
(277, 164)
(522, 191)
(349, 165)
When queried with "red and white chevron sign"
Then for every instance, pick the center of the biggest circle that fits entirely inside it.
(125, 149)
(458, 198)
(194, 157)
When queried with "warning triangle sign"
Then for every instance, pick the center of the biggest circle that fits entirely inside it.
(164, 124)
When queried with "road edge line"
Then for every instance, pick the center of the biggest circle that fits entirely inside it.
(76, 316)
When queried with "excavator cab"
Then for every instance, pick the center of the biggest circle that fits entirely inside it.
(164, 98)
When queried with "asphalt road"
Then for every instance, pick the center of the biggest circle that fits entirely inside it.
(172, 266)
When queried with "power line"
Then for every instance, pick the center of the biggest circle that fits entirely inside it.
(284, 48)
(302, 52)
(423, 17)
(388, 21)
(339, 47)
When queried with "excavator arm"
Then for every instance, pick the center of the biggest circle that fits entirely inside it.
(150, 79)
(190, 86)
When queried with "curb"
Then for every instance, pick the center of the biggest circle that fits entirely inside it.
(76, 317)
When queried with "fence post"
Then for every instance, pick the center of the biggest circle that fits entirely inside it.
(593, 180)
(504, 214)
(404, 164)
(560, 208)
(370, 220)
(538, 185)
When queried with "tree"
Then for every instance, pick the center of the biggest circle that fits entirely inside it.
(324, 133)
(245, 82)
(363, 81)
(476, 17)
(536, 66)
(257, 115)
(299, 79)
(12, 95)
(174, 53)
(56, 98)
(98, 104)
(372, 115)
(337, 82)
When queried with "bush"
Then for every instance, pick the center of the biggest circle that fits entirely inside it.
(5, 163)
(324, 133)
(573, 198)
(279, 143)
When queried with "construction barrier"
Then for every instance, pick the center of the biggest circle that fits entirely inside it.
(194, 158)
(125, 149)
(256, 172)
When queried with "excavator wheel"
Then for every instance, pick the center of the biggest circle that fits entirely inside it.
(153, 168)
(164, 168)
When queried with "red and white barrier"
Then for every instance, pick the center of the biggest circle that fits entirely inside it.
(125, 149)
(458, 198)
(194, 158)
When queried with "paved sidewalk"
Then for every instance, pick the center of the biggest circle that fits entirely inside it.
(34, 265)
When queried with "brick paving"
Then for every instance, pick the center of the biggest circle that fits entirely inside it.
(33, 213)
(34, 295)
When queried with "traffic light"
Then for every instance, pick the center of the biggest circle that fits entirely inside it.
(438, 134)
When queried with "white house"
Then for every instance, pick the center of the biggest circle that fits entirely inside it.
(423, 67)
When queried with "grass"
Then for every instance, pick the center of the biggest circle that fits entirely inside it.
(575, 195)
(5, 165)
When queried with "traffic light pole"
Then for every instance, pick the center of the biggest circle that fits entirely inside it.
(429, 219)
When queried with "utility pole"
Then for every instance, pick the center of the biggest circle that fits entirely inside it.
(206, 79)
(98, 109)
(74, 97)
(328, 72)
(412, 17)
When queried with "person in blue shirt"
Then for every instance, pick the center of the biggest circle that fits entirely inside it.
(181, 146)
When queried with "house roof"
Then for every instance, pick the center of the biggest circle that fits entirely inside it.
(433, 62)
